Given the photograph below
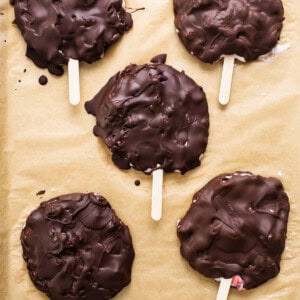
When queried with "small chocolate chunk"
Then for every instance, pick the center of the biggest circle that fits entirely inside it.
(76, 247)
(58, 30)
(152, 116)
(236, 226)
(211, 28)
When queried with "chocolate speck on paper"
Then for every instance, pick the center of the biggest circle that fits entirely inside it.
(41, 192)
(137, 182)
(24, 70)
(43, 80)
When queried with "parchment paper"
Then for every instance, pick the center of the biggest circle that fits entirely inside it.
(46, 144)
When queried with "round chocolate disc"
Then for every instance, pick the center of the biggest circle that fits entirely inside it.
(152, 116)
(211, 28)
(236, 226)
(76, 247)
(80, 29)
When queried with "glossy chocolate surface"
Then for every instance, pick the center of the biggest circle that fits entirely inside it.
(211, 28)
(152, 116)
(76, 247)
(236, 225)
(61, 29)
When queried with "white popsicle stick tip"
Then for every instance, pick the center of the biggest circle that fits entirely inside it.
(157, 185)
(228, 65)
(224, 289)
(74, 84)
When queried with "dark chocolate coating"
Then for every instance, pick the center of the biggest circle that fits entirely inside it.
(56, 30)
(150, 115)
(211, 28)
(236, 225)
(76, 247)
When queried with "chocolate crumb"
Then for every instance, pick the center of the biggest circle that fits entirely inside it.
(19, 80)
(24, 70)
(43, 80)
(137, 182)
(42, 192)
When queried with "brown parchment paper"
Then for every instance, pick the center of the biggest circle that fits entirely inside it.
(46, 144)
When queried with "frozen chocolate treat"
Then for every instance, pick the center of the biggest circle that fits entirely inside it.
(58, 30)
(211, 28)
(76, 247)
(152, 116)
(236, 225)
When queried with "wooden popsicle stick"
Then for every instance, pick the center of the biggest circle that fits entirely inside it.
(228, 64)
(74, 85)
(157, 185)
(224, 289)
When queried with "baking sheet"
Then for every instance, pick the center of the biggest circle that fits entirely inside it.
(46, 144)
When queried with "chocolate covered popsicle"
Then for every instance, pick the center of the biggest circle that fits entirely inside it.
(68, 31)
(76, 247)
(236, 228)
(56, 31)
(241, 29)
(152, 117)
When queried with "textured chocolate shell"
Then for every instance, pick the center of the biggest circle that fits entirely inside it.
(76, 247)
(211, 28)
(152, 116)
(236, 225)
(61, 29)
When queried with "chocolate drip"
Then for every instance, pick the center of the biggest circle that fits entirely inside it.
(236, 225)
(77, 248)
(211, 28)
(152, 116)
(58, 30)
